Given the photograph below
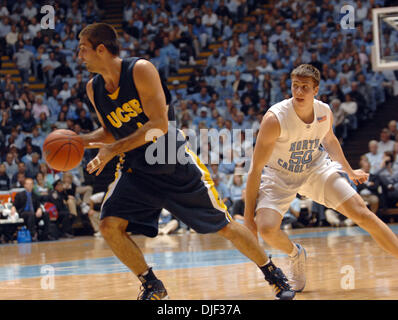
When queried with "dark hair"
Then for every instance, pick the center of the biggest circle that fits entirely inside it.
(307, 70)
(102, 33)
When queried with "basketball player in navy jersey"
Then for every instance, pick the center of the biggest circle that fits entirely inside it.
(131, 101)
(290, 158)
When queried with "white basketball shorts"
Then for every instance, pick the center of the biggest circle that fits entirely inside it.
(324, 184)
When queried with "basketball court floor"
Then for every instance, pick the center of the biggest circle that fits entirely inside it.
(343, 263)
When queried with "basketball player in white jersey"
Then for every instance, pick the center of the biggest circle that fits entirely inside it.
(289, 158)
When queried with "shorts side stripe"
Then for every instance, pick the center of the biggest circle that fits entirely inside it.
(211, 190)
(112, 186)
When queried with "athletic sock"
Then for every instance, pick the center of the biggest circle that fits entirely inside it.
(268, 261)
(147, 276)
(294, 251)
(265, 268)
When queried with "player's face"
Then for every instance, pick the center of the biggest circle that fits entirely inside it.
(87, 54)
(303, 90)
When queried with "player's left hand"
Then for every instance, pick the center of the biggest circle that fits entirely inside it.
(359, 176)
(105, 154)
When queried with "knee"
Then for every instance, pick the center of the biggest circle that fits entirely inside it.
(268, 231)
(227, 231)
(266, 228)
(109, 228)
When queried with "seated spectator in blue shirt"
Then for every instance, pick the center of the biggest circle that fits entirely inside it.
(202, 97)
(227, 164)
(225, 90)
(223, 65)
(28, 122)
(203, 117)
(237, 187)
(161, 63)
(33, 166)
(169, 51)
(37, 137)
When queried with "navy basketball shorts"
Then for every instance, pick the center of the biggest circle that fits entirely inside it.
(188, 193)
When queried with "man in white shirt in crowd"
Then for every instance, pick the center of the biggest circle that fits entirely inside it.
(385, 143)
(375, 158)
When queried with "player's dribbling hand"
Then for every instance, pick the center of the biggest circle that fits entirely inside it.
(359, 176)
(105, 154)
(251, 225)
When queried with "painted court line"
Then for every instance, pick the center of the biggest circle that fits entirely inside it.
(161, 260)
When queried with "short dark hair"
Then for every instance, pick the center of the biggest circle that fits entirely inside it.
(307, 70)
(102, 33)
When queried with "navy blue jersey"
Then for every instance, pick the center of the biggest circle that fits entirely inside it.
(123, 114)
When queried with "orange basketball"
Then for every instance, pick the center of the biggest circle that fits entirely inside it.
(63, 150)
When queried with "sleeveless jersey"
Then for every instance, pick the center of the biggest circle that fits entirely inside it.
(123, 114)
(298, 149)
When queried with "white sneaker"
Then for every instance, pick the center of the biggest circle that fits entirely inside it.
(296, 273)
(98, 235)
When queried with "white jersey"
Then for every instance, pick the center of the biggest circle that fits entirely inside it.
(297, 150)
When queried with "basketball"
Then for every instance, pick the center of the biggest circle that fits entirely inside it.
(63, 150)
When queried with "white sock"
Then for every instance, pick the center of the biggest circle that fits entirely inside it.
(294, 251)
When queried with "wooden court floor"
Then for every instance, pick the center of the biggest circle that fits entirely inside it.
(342, 263)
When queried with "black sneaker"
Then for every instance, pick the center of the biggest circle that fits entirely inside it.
(153, 290)
(278, 281)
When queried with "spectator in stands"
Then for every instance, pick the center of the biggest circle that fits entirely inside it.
(41, 187)
(29, 146)
(238, 208)
(222, 190)
(236, 187)
(21, 169)
(84, 121)
(61, 121)
(393, 127)
(5, 183)
(48, 67)
(385, 143)
(374, 157)
(395, 156)
(24, 60)
(70, 190)
(48, 174)
(339, 124)
(33, 166)
(30, 10)
(11, 165)
(28, 122)
(350, 108)
(39, 107)
(27, 204)
(59, 198)
(95, 211)
(369, 190)
(389, 180)
(19, 180)
(65, 93)
(37, 137)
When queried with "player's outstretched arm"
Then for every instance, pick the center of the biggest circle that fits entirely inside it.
(267, 136)
(101, 135)
(333, 147)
